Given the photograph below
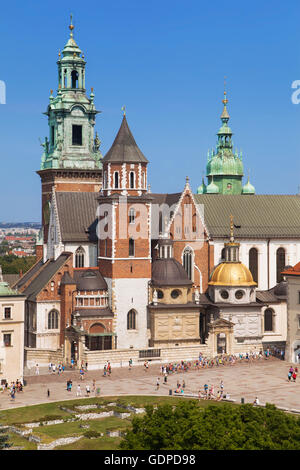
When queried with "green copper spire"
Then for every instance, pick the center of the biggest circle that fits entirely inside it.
(225, 168)
(71, 115)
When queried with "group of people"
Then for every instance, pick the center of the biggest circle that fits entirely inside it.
(88, 390)
(53, 368)
(13, 388)
(292, 373)
(107, 369)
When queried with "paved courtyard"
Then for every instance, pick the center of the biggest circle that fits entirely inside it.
(266, 379)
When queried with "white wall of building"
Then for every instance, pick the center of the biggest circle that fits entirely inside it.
(45, 338)
(130, 294)
(292, 249)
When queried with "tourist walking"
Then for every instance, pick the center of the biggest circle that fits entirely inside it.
(37, 370)
(78, 391)
(88, 390)
(130, 363)
(157, 383)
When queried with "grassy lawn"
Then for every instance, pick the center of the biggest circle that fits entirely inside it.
(19, 416)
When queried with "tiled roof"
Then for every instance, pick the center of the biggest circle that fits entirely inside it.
(255, 216)
(77, 216)
(44, 276)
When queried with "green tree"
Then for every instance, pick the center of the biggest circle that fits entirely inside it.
(187, 426)
(12, 264)
(4, 439)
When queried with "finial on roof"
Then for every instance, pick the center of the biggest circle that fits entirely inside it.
(71, 27)
(231, 229)
(187, 180)
(225, 114)
(124, 110)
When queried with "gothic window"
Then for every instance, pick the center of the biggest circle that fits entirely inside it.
(131, 247)
(53, 320)
(280, 263)
(253, 263)
(74, 78)
(131, 179)
(116, 179)
(188, 262)
(79, 257)
(76, 135)
(131, 320)
(269, 319)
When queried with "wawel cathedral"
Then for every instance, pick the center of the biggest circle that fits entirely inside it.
(124, 273)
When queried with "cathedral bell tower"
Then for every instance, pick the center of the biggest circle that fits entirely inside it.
(124, 232)
(71, 160)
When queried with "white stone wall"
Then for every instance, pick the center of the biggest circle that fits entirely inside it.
(247, 321)
(90, 257)
(46, 339)
(292, 248)
(279, 323)
(130, 294)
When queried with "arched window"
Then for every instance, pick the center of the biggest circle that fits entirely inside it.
(131, 247)
(116, 179)
(74, 78)
(253, 263)
(188, 262)
(53, 320)
(131, 180)
(280, 263)
(269, 319)
(79, 257)
(131, 320)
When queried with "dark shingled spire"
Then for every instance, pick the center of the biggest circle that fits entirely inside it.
(67, 279)
(124, 149)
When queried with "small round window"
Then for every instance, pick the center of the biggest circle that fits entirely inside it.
(239, 294)
(175, 293)
(160, 294)
(224, 294)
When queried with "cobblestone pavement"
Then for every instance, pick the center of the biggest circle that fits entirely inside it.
(266, 379)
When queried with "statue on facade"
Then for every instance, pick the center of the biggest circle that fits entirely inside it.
(97, 143)
(45, 145)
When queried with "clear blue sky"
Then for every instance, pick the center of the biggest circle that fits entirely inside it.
(165, 60)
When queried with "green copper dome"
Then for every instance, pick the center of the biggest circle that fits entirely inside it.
(248, 188)
(202, 188)
(212, 188)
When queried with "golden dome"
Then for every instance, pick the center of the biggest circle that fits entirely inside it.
(231, 274)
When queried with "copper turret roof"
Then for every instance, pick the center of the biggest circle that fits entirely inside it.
(124, 148)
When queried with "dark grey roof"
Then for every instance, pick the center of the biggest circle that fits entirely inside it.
(44, 276)
(28, 275)
(255, 216)
(67, 279)
(266, 296)
(169, 272)
(89, 279)
(77, 216)
(124, 147)
(94, 312)
(161, 305)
